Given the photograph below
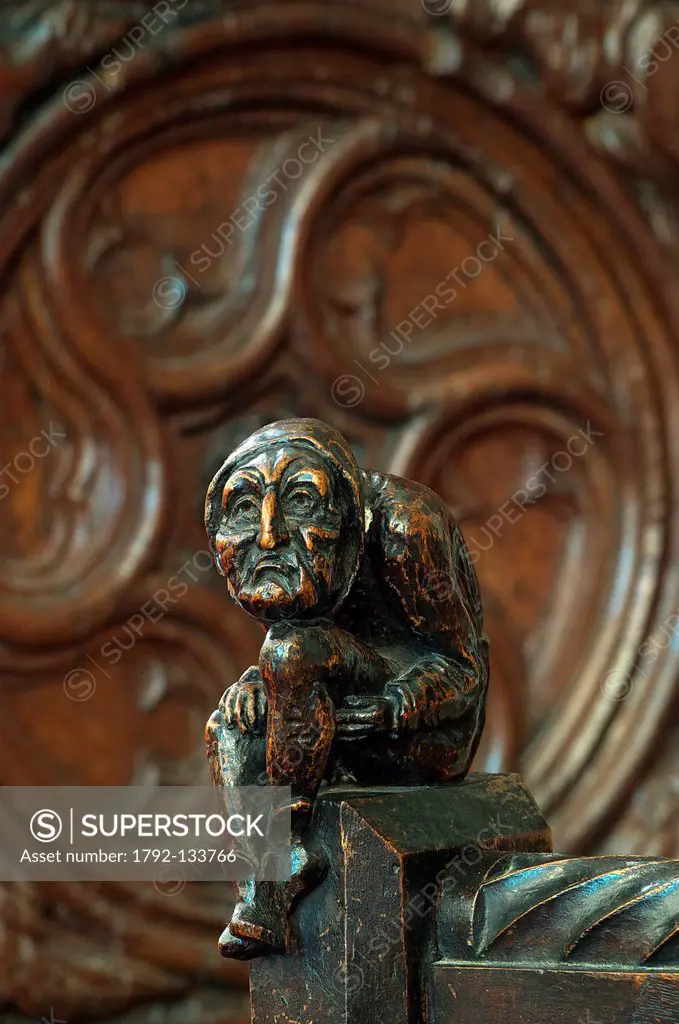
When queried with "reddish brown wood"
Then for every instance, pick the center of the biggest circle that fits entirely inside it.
(445, 130)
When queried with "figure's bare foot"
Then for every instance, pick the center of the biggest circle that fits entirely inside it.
(235, 948)
(308, 870)
(259, 925)
(262, 919)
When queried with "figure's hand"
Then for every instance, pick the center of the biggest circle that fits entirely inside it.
(359, 716)
(244, 703)
(406, 705)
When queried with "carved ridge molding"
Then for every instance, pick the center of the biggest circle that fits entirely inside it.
(579, 52)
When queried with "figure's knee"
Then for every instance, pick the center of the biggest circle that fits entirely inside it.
(213, 731)
(221, 738)
(213, 726)
(235, 758)
(443, 754)
(287, 653)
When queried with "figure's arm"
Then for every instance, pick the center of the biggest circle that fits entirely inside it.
(428, 573)
(433, 690)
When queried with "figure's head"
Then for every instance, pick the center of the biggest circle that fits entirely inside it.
(285, 516)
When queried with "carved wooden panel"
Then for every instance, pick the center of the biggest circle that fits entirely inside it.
(444, 228)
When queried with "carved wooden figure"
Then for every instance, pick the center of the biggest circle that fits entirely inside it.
(374, 667)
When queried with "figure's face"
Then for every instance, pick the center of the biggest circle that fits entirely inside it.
(279, 536)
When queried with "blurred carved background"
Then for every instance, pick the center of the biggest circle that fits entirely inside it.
(213, 215)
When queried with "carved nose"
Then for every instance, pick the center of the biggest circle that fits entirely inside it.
(272, 531)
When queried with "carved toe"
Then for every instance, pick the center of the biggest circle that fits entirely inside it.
(234, 948)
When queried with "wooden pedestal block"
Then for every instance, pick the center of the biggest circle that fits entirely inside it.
(490, 994)
(362, 937)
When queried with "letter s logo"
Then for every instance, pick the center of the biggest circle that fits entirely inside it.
(45, 826)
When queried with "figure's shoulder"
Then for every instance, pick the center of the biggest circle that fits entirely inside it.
(405, 506)
(414, 534)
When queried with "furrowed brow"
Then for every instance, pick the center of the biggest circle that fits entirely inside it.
(244, 480)
(309, 474)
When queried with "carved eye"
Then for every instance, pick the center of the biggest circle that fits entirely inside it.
(246, 507)
(300, 500)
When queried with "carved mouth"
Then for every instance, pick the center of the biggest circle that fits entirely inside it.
(264, 566)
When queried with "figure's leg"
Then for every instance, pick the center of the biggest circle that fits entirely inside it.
(430, 756)
(236, 759)
(259, 921)
(444, 753)
(305, 669)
